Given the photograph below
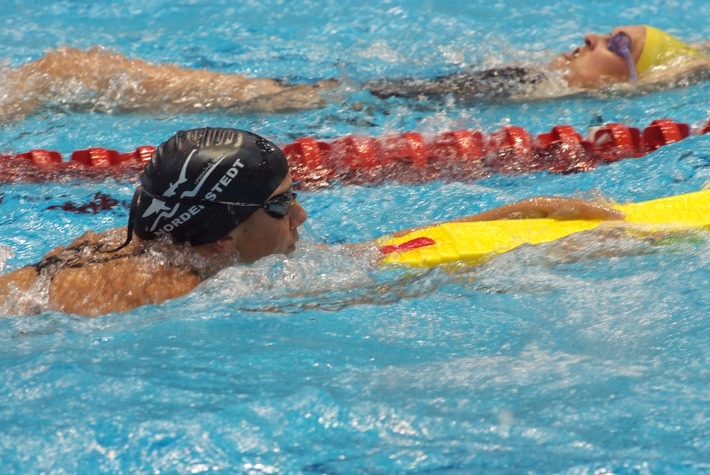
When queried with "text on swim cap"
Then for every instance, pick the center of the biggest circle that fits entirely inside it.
(226, 179)
(183, 218)
(211, 195)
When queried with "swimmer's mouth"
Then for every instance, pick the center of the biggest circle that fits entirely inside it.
(292, 247)
(572, 55)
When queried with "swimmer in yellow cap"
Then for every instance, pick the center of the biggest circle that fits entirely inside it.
(638, 53)
(83, 80)
(629, 54)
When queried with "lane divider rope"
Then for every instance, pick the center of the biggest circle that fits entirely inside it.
(407, 157)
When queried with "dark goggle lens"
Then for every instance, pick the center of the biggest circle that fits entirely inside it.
(278, 206)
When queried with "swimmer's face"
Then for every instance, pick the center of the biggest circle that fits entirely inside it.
(594, 65)
(262, 234)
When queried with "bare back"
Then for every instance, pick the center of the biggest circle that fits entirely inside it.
(83, 280)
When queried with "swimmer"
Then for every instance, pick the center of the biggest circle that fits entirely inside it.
(105, 81)
(638, 54)
(101, 80)
(209, 198)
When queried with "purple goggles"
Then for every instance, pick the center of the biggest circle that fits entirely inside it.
(620, 45)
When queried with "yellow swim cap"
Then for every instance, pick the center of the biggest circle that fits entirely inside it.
(661, 48)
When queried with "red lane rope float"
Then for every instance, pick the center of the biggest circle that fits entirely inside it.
(407, 157)
(92, 163)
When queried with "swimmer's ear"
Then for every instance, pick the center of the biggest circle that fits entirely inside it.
(225, 244)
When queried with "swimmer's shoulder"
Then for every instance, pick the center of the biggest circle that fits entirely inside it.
(13, 286)
(88, 239)
(80, 278)
(119, 286)
(121, 281)
(16, 285)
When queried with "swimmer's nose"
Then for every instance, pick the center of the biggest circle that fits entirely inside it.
(591, 41)
(297, 215)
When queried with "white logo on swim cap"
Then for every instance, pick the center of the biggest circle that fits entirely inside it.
(164, 212)
(213, 167)
(182, 178)
(172, 189)
(155, 206)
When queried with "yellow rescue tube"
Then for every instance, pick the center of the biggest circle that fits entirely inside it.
(476, 242)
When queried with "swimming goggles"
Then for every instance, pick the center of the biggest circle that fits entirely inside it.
(277, 207)
(620, 45)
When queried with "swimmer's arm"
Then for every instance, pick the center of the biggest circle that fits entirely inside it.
(542, 207)
(167, 86)
(548, 207)
(147, 86)
(289, 97)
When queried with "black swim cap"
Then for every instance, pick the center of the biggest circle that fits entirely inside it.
(195, 168)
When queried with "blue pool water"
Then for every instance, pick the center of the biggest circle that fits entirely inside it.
(540, 361)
